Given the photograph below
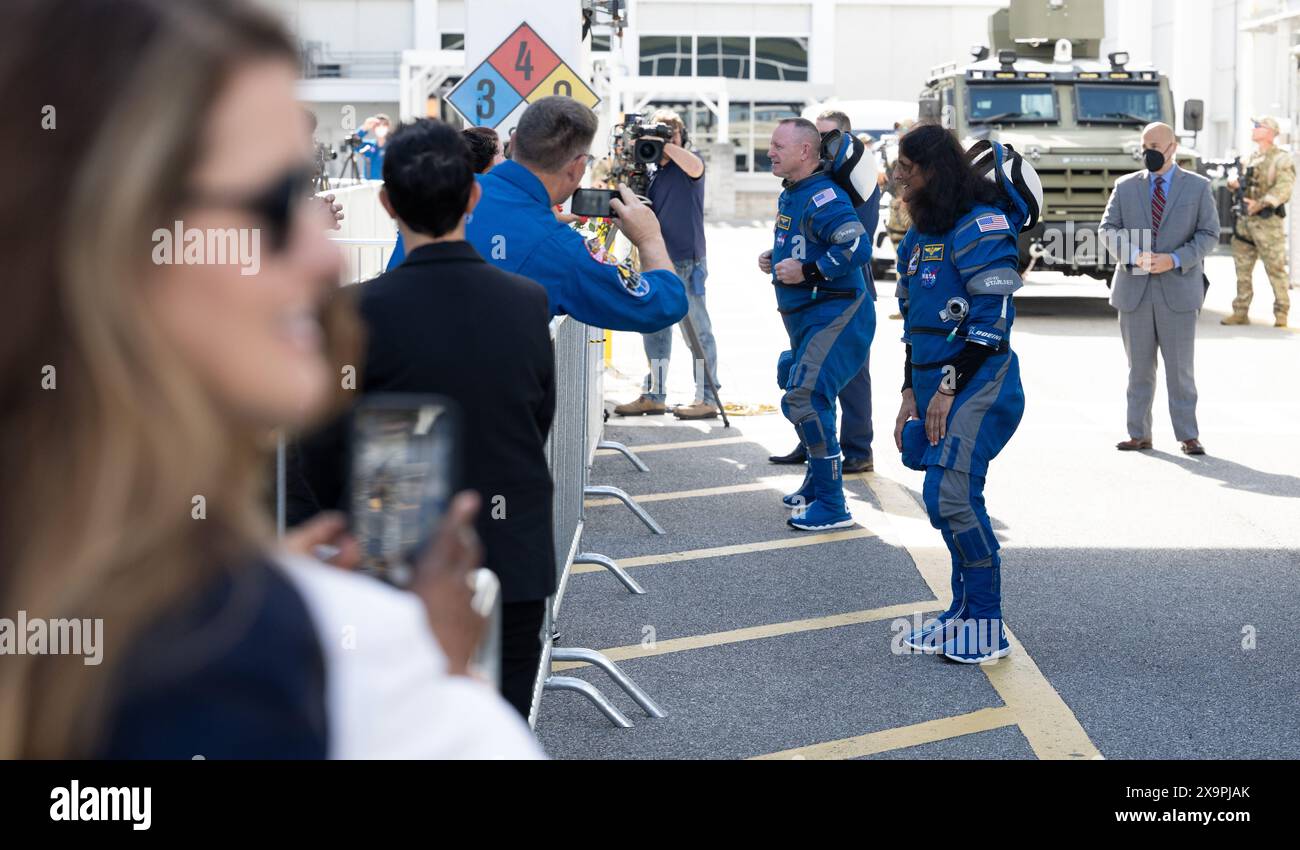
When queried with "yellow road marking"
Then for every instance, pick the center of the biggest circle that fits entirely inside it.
(904, 736)
(739, 549)
(689, 444)
(834, 621)
(1046, 721)
(771, 483)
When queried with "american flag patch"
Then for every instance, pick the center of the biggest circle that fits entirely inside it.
(825, 196)
(987, 223)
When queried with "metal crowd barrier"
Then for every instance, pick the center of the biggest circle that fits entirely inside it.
(575, 436)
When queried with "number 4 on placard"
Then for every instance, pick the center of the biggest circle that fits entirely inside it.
(524, 62)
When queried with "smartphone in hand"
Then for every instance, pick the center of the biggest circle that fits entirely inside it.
(593, 203)
(403, 477)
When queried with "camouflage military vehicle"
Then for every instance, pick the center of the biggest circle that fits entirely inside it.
(1041, 86)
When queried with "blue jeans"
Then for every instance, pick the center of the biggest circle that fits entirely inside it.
(659, 345)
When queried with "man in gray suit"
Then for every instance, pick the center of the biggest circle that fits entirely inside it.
(1162, 223)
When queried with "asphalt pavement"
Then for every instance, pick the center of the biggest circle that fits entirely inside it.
(1149, 594)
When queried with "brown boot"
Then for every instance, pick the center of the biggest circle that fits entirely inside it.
(643, 406)
(1235, 319)
(698, 410)
(1279, 320)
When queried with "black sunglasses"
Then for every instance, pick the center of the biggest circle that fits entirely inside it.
(275, 204)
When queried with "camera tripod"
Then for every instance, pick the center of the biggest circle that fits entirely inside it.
(692, 339)
(350, 169)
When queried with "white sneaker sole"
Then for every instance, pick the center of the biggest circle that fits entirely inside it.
(1001, 653)
(847, 523)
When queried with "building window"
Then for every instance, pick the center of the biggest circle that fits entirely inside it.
(722, 56)
(453, 41)
(666, 56)
(599, 43)
(737, 57)
(781, 59)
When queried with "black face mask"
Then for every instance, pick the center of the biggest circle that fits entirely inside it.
(1155, 160)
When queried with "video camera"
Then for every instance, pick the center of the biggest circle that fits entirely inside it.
(324, 153)
(637, 144)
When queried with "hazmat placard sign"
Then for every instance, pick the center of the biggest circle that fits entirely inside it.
(521, 70)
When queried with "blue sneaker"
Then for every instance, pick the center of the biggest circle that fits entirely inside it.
(804, 496)
(931, 637)
(980, 636)
(973, 641)
(828, 511)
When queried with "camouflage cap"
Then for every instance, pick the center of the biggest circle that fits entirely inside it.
(1268, 121)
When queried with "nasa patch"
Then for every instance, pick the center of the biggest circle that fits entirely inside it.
(633, 281)
(914, 263)
(929, 278)
(780, 239)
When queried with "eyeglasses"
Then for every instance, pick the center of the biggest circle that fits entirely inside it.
(275, 204)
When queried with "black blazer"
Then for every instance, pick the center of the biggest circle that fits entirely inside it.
(447, 322)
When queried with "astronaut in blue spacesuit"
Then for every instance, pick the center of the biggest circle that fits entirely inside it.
(962, 397)
(820, 247)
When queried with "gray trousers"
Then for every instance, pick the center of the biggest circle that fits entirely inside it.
(1150, 328)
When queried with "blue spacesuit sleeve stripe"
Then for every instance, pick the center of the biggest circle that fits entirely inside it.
(985, 249)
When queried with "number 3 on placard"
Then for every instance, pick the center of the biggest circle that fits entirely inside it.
(485, 107)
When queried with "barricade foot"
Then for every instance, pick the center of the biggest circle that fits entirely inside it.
(606, 490)
(611, 565)
(625, 452)
(620, 678)
(607, 708)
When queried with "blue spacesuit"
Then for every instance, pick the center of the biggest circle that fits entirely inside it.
(830, 319)
(955, 293)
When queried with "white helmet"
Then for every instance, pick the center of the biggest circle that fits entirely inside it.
(851, 165)
(1004, 165)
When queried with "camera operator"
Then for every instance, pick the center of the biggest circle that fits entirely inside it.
(515, 229)
(374, 133)
(676, 195)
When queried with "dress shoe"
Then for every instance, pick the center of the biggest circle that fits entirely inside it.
(796, 456)
(859, 464)
(1133, 445)
(698, 410)
(1193, 447)
(1235, 319)
(643, 406)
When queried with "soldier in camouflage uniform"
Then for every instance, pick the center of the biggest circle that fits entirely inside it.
(1261, 232)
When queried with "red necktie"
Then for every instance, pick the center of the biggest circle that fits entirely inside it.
(1157, 208)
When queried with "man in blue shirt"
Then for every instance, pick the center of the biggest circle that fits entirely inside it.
(676, 194)
(514, 228)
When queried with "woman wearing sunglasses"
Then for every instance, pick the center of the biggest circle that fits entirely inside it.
(139, 397)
